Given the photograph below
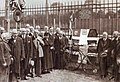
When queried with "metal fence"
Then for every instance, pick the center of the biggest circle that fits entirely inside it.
(103, 15)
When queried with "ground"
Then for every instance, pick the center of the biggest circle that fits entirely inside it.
(67, 76)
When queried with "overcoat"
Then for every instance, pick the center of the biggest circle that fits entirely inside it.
(51, 40)
(115, 50)
(62, 48)
(47, 59)
(60, 43)
(17, 51)
(57, 50)
(28, 48)
(4, 57)
(103, 61)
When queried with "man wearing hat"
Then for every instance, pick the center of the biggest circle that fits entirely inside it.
(17, 51)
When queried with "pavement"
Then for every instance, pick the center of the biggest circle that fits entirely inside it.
(67, 76)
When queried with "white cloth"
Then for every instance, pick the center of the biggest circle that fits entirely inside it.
(38, 46)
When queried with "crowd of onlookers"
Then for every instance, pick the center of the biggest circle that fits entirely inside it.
(31, 53)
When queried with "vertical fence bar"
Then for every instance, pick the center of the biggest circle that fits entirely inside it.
(92, 14)
(75, 12)
(66, 20)
(31, 15)
(108, 15)
(54, 16)
(42, 15)
(59, 14)
(112, 19)
(99, 21)
(85, 19)
(46, 12)
(63, 17)
(67, 7)
(80, 11)
(116, 15)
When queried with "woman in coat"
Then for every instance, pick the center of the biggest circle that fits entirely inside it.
(5, 61)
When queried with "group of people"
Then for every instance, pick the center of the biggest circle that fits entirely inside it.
(30, 53)
(109, 55)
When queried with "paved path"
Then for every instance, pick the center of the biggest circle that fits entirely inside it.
(65, 76)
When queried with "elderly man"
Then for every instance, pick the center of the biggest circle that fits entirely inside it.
(103, 49)
(17, 51)
(115, 49)
(28, 49)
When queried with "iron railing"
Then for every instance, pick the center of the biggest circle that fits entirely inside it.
(103, 15)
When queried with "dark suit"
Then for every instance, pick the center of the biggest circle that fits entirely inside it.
(103, 61)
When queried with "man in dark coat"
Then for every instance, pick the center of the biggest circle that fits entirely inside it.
(57, 49)
(28, 49)
(47, 59)
(5, 59)
(59, 45)
(103, 49)
(17, 51)
(115, 49)
(51, 41)
(63, 44)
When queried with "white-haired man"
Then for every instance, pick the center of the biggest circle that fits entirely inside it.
(103, 49)
(115, 49)
(17, 51)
